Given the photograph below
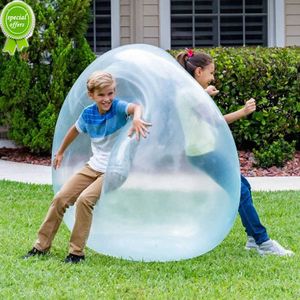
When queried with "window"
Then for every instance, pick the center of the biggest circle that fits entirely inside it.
(99, 31)
(208, 23)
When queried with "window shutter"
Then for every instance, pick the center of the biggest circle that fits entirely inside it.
(208, 23)
(99, 31)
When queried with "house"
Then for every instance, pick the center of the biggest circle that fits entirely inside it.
(172, 24)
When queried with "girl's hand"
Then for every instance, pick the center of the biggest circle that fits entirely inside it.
(211, 90)
(139, 127)
(57, 160)
(250, 107)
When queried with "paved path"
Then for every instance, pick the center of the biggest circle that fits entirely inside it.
(42, 175)
(277, 183)
(25, 172)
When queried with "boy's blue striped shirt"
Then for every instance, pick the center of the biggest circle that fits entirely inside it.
(97, 125)
(103, 130)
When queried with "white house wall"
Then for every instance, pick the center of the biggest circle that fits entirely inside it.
(125, 24)
(139, 21)
(292, 22)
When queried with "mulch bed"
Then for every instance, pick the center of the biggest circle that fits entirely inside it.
(291, 168)
(24, 156)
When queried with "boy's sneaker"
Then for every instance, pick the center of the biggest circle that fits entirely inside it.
(273, 247)
(34, 252)
(250, 244)
(74, 259)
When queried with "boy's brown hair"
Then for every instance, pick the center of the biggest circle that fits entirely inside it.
(99, 80)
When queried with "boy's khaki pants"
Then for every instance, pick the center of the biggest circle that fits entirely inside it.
(84, 188)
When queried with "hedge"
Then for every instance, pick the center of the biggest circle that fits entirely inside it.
(35, 82)
(272, 77)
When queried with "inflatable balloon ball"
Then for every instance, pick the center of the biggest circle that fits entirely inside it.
(173, 195)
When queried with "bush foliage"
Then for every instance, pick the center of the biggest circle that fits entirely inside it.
(35, 82)
(272, 77)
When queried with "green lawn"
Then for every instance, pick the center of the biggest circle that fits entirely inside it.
(227, 272)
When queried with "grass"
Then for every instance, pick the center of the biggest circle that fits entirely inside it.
(227, 272)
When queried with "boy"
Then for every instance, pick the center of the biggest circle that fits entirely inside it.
(101, 121)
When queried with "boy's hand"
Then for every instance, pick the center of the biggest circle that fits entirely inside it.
(139, 127)
(250, 107)
(57, 160)
(211, 90)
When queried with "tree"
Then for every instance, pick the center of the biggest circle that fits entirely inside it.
(35, 82)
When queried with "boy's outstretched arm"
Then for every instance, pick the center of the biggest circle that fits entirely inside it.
(249, 108)
(139, 126)
(68, 139)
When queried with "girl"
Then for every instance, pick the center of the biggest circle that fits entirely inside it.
(201, 67)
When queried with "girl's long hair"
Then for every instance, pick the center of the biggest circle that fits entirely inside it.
(191, 61)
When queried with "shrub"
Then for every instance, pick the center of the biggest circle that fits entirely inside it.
(271, 76)
(276, 153)
(35, 82)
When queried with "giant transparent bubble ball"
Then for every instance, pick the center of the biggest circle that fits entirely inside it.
(173, 195)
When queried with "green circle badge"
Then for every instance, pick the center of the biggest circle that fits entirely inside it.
(17, 22)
